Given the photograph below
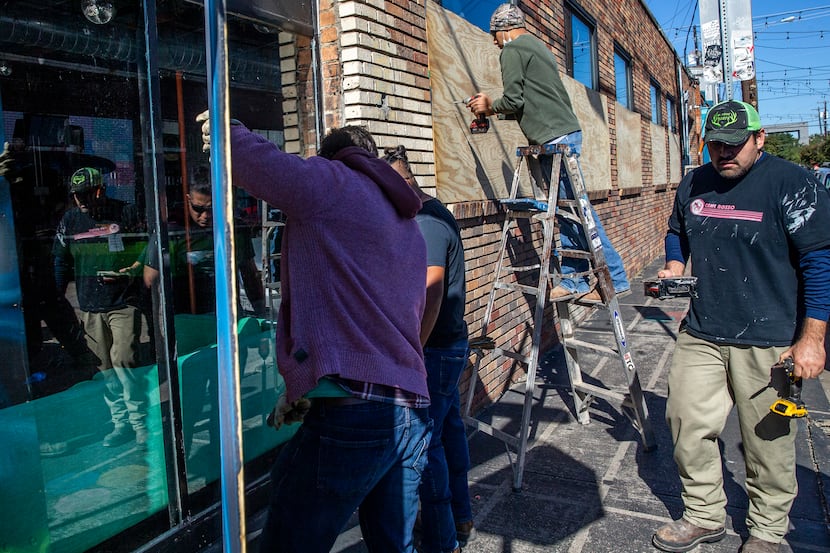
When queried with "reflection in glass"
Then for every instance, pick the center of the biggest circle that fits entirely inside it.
(582, 46)
(84, 455)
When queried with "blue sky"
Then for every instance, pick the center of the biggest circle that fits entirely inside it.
(792, 49)
(792, 53)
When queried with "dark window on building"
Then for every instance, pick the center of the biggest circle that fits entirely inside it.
(671, 116)
(622, 78)
(656, 114)
(581, 45)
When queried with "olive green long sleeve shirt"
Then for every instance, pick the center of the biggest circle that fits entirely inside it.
(533, 91)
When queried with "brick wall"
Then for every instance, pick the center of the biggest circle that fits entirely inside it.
(375, 73)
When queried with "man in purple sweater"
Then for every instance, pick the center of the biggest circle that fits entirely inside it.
(353, 272)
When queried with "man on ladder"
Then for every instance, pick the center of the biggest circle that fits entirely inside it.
(535, 96)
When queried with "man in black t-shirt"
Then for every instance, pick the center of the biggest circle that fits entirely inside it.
(90, 243)
(755, 230)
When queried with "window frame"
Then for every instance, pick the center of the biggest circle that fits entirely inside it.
(623, 56)
(573, 11)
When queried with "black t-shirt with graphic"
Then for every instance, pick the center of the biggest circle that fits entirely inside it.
(746, 237)
(96, 245)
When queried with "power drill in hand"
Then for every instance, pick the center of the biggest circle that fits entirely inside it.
(792, 406)
(480, 124)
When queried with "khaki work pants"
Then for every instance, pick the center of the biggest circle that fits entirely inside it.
(113, 336)
(705, 381)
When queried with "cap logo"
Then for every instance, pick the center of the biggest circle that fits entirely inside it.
(724, 119)
(78, 178)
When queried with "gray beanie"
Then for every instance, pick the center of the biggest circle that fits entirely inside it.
(506, 17)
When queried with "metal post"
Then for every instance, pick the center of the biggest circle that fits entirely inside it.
(230, 421)
(724, 40)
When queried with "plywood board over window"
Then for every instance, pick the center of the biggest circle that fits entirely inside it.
(462, 61)
(659, 155)
(629, 149)
(674, 157)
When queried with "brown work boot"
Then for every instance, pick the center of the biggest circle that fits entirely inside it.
(757, 545)
(592, 296)
(560, 292)
(680, 535)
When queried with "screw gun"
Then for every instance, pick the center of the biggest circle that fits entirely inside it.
(792, 406)
(480, 124)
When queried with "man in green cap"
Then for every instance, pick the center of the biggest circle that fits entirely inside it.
(89, 244)
(755, 228)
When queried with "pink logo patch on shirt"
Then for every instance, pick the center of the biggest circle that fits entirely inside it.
(724, 211)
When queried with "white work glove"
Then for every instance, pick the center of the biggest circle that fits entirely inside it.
(204, 119)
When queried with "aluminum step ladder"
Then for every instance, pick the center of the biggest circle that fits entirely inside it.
(547, 274)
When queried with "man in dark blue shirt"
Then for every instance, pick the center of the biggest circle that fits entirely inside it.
(446, 514)
(755, 230)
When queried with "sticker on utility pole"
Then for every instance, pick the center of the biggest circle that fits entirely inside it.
(712, 41)
(739, 25)
(729, 51)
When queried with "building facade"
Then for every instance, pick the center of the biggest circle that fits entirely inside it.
(115, 87)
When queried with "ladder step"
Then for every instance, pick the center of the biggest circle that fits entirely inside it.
(524, 204)
(579, 254)
(492, 431)
(512, 355)
(598, 391)
(521, 268)
(574, 342)
(517, 287)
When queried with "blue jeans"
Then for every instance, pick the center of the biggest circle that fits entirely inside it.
(445, 498)
(369, 455)
(570, 233)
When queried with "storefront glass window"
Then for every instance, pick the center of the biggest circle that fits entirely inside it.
(107, 247)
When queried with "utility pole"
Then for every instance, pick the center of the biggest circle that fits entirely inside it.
(749, 92)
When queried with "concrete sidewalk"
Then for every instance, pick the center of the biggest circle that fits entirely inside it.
(591, 488)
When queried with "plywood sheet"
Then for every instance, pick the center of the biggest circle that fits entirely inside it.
(463, 60)
(674, 158)
(629, 148)
(659, 155)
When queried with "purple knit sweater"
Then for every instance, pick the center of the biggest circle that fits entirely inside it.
(353, 264)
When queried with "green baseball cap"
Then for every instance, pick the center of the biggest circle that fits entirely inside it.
(731, 122)
(85, 178)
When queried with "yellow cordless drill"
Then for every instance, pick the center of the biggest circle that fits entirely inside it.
(792, 406)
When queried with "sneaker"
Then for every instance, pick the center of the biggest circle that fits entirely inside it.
(560, 292)
(757, 545)
(53, 449)
(119, 435)
(680, 535)
(465, 532)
